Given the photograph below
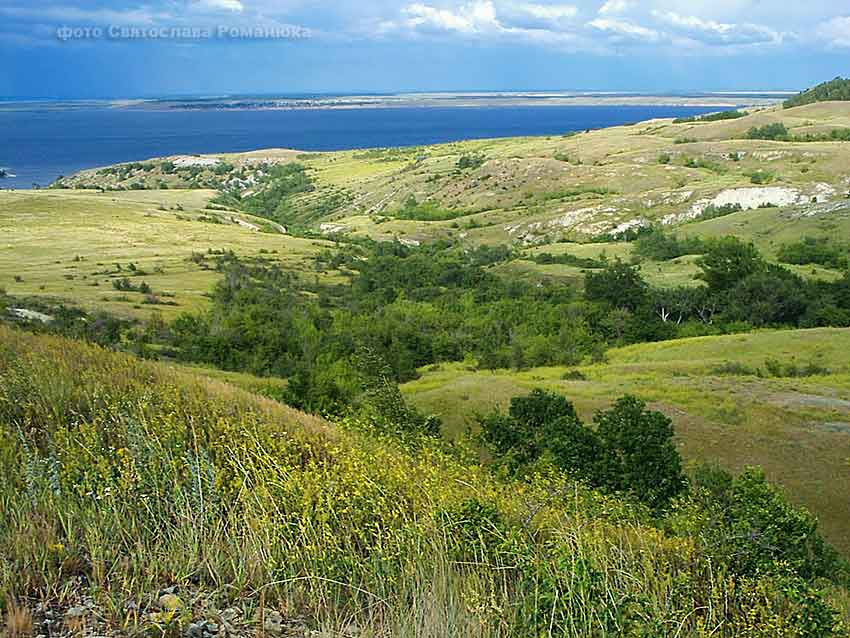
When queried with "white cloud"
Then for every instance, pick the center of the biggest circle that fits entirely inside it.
(624, 30)
(225, 5)
(614, 7)
(712, 32)
(470, 18)
(836, 32)
(550, 11)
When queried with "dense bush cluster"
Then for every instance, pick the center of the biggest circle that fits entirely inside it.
(629, 450)
(775, 131)
(419, 306)
(811, 250)
(272, 195)
(711, 117)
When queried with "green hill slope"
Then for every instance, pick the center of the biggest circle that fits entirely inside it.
(75, 245)
(137, 498)
(834, 90)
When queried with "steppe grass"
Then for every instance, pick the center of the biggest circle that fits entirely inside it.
(119, 478)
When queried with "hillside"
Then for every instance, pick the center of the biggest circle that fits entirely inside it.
(74, 245)
(832, 91)
(739, 400)
(557, 195)
(525, 191)
(138, 499)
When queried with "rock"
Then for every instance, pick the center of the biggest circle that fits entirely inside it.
(204, 629)
(273, 622)
(230, 614)
(195, 630)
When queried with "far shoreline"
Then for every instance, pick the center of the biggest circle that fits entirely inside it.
(717, 100)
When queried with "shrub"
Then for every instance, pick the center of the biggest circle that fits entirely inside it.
(641, 455)
(712, 211)
(618, 284)
(775, 131)
(631, 449)
(812, 250)
(762, 176)
(470, 161)
(711, 117)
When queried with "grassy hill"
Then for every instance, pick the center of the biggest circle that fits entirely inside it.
(533, 194)
(155, 499)
(74, 245)
(139, 499)
(526, 190)
(736, 399)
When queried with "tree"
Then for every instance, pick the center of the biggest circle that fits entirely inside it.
(642, 456)
(618, 284)
(769, 296)
(728, 261)
(520, 437)
(673, 305)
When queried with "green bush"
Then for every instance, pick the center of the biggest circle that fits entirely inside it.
(711, 117)
(631, 449)
(775, 131)
(470, 161)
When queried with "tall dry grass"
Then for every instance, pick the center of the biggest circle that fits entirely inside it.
(119, 478)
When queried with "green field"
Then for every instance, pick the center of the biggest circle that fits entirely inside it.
(539, 194)
(798, 429)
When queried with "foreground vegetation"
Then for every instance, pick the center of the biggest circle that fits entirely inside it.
(141, 499)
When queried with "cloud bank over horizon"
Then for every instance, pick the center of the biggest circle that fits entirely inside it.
(300, 45)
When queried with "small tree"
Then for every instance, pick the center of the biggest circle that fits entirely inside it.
(383, 403)
(631, 449)
(618, 284)
(728, 261)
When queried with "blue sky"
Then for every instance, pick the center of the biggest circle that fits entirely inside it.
(191, 47)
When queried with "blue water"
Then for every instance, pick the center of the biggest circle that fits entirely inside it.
(38, 146)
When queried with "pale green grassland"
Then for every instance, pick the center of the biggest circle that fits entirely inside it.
(52, 243)
(539, 192)
(798, 429)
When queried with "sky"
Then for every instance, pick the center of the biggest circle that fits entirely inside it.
(109, 49)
